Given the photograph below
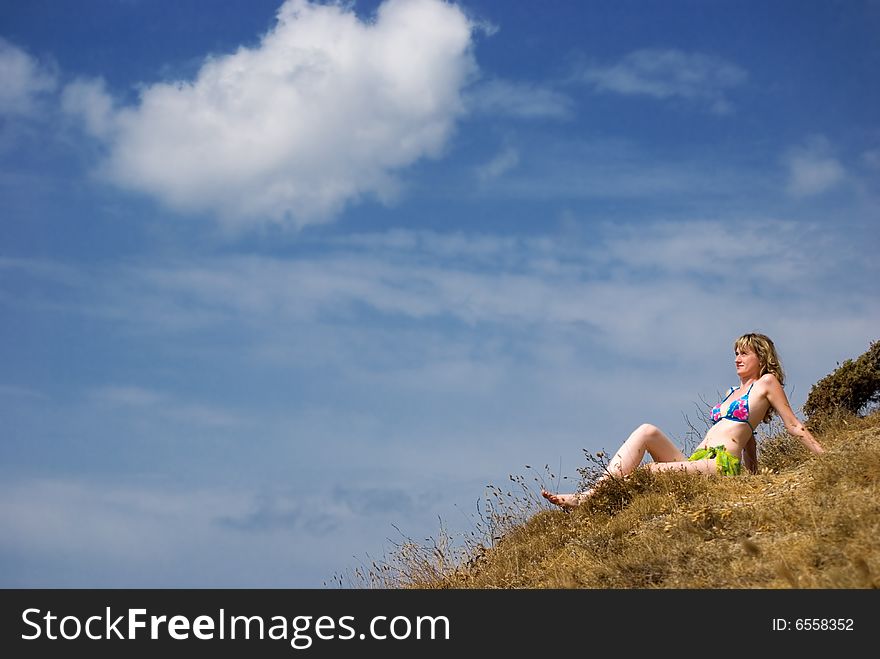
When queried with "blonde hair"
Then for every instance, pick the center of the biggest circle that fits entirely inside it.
(763, 347)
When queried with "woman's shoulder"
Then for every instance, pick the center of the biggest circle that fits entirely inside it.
(767, 382)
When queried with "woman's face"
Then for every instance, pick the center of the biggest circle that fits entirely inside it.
(747, 363)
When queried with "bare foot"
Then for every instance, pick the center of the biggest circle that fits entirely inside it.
(563, 500)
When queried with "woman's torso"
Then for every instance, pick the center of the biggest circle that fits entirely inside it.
(735, 418)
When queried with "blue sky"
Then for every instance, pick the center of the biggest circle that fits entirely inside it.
(277, 280)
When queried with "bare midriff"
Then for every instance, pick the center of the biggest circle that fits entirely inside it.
(734, 435)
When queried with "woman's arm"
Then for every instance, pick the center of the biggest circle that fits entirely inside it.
(779, 401)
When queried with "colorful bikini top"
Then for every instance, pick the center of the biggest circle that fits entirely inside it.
(738, 410)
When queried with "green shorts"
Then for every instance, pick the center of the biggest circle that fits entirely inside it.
(728, 465)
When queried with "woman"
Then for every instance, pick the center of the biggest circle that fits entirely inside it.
(730, 441)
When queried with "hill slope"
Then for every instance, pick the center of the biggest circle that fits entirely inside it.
(805, 521)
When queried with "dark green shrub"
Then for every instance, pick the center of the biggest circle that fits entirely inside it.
(850, 388)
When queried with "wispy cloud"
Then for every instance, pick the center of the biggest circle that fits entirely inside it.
(321, 513)
(149, 534)
(23, 81)
(664, 74)
(137, 522)
(154, 403)
(324, 111)
(618, 283)
(89, 100)
(812, 170)
(620, 169)
(144, 535)
(399, 350)
(15, 391)
(871, 158)
(271, 513)
(503, 162)
(376, 500)
(524, 100)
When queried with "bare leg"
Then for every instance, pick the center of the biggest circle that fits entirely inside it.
(707, 466)
(645, 438)
(566, 500)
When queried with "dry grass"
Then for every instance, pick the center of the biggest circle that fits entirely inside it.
(803, 522)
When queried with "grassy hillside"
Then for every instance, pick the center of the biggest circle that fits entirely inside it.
(804, 521)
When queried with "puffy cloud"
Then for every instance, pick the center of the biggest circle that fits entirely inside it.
(812, 170)
(668, 73)
(89, 100)
(22, 80)
(323, 111)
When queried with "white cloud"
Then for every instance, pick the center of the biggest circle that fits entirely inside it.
(454, 311)
(128, 396)
(575, 168)
(324, 111)
(396, 350)
(21, 392)
(90, 101)
(695, 248)
(668, 73)
(812, 170)
(22, 80)
(601, 279)
(503, 162)
(158, 404)
(128, 535)
(619, 282)
(519, 99)
(85, 518)
(144, 533)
